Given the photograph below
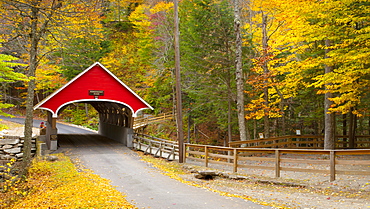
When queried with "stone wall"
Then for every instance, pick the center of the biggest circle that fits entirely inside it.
(11, 147)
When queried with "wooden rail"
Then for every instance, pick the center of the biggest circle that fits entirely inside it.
(156, 146)
(273, 159)
(145, 120)
(302, 142)
(330, 162)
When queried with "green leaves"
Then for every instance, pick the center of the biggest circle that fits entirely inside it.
(7, 73)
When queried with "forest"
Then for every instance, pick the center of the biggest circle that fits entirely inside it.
(302, 65)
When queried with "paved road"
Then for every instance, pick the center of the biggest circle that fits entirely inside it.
(62, 128)
(144, 185)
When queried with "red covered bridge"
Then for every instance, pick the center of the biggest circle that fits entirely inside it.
(116, 103)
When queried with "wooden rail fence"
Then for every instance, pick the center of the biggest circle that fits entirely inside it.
(156, 146)
(147, 119)
(302, 142)
(331, 162)
(273, 159)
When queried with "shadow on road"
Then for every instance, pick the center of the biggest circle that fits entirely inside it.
(85, 140)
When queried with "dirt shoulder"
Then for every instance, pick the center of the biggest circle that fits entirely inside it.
(300, 190)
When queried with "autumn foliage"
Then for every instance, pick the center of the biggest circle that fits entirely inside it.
(60, 184)
(285, 52)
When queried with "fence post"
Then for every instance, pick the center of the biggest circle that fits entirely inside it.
(290, 142)
(206, 157)
(138, 144)
(174, 153)
(235, 164)
(332, 165)
(150, 146)
(277, 163)
(160, 149)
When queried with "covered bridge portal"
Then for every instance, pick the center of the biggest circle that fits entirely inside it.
(116, 103)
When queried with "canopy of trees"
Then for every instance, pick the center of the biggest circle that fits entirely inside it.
(305, 63)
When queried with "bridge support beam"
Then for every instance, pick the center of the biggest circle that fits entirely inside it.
(51, 132)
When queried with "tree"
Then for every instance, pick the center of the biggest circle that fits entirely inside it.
(239, 73)
(36, 25)
(265, 95)
(324, 44)
(209, 63)
(31, 26)
(8, 75)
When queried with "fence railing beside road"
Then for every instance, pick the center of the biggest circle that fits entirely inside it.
(330, 162)
(303, 142)
(273, 159)
(156, 146)
(147, 119)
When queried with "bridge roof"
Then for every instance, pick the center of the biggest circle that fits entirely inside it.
(95, 84)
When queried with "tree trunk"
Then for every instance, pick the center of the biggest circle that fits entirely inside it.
(239, 73)
(180, 132)
(86, 111)
(345, 139)
(352, 129)
(368, 126)
(344, 124)
(229, 109)
(265, 71)
(255, 129)
(329, 138)
(37, 30)
(189, 124)
(34, 37)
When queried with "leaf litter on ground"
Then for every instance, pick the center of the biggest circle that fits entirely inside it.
(60, 184)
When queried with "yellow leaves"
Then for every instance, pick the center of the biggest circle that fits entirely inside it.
(255, 109)
(8, 179)
(59, 185)
(138, 17)
(48, 77)
(161, 6)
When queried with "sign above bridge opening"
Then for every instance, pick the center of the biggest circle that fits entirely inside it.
(96, 92)
(96, 83)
